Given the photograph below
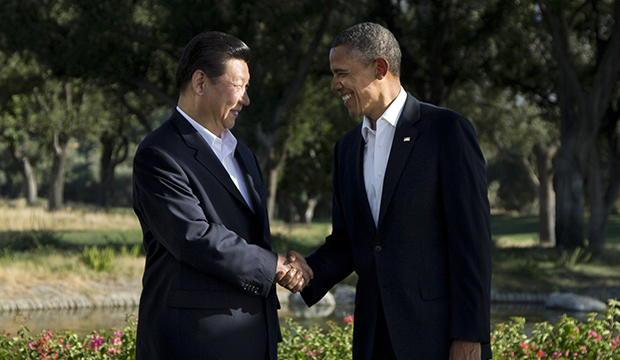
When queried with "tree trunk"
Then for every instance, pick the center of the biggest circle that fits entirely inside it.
(546, 195)
(59, 151)
(598, 220)
(29, 182)
(114, 151)
(267, 141)
(581, 116)
(57, 173)
(602, 205)
(311, 205)
(274, 169)
(569, 203)
(106, 171)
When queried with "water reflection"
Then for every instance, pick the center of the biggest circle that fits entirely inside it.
(84, 321)
(81, 321)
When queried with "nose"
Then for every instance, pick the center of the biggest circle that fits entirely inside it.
(336, 84)
(245, 99)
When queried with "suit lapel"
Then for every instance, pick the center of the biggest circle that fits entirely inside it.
(250, 176)
(404, 139)
(205, 155)
(360, 185)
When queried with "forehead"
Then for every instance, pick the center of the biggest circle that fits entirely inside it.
(340, 59)
(238, 70)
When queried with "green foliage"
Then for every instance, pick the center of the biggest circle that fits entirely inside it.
(597, 338)
(118, 345)
(568, 339)
(569, 260)
(132, 252)
(98, 259)
(31, 240)
(313, 343)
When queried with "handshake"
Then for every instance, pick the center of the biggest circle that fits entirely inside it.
(293, 272)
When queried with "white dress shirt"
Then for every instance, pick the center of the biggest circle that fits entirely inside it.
(224, 148)
(377, 151)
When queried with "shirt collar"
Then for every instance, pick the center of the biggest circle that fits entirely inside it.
(391, 114)
(222, 146)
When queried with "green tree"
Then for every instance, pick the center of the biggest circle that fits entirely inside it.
(586, 43)
(18, 77)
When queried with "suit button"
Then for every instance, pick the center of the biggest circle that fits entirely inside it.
(378, 248)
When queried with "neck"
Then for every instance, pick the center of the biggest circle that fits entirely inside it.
(190, 107)
(386, 98)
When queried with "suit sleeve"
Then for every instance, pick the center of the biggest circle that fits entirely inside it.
(464, 192)
(172, 213)
(333, 261)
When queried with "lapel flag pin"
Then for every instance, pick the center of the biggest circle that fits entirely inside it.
(407, 139)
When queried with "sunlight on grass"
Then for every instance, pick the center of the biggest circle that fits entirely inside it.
(60, 273)
(16, 216)
(519, 262)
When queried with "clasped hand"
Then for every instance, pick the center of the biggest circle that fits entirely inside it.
(293, 272)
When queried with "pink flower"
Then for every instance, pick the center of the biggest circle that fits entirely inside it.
(540, 354)
(31, 345)
(576, 329)
(583, 348)
(594, 335)
(96, 341)
(614, 344)
(113, 351)
(555, 355)
(349, 319)
(524, 346)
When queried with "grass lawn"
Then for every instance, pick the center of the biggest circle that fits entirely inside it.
(519, 264)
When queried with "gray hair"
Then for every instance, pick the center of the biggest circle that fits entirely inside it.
(369, 41)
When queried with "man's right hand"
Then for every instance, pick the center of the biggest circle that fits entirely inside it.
(293, 273)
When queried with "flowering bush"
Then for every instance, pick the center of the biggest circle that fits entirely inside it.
(569, 339)
(313, 343)
(119, 345)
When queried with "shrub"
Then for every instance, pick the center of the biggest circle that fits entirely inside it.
(98, 259)
(132, 252)
(570, 260)
(118, 345)
(312, 343)
(569, 339)
(31, 240)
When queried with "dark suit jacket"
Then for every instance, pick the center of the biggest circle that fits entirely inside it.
(429, 258)
(208, 265)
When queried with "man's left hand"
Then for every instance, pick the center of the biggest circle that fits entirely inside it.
(465, 350)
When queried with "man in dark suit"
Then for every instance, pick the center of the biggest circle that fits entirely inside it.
(208, 285)
(410, 214)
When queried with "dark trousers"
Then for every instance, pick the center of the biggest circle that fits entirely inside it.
(382, 347)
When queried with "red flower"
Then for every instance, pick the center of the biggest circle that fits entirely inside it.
(348, 319)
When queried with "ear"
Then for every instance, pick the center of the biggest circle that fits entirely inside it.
(199, 82)
(383, 67)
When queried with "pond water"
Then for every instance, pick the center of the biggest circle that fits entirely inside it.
(84, 321)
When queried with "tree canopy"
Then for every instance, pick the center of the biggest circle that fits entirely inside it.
(538, 78)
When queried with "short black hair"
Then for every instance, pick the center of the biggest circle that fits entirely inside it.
(369, 41)
(209, 52)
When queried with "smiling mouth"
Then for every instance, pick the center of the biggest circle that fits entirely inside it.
(346, 97)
